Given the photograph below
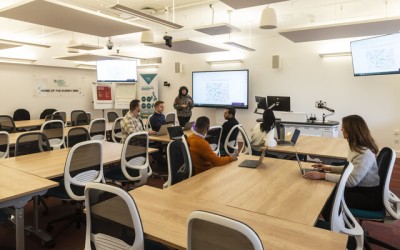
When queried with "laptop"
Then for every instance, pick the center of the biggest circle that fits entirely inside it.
(175, 132)
(163, 130)
(254, 163)
(305, 170)
(293, 141)
(188, 126)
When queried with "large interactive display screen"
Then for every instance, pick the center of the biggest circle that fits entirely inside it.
(219, 89)
(117, 71)
(376, 56)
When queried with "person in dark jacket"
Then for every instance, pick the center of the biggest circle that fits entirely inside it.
(158, 118)
(183, 104)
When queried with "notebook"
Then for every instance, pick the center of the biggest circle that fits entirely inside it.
(175, 132)
(163, 130)
(254, 163)
(293, 141)
(188, 126)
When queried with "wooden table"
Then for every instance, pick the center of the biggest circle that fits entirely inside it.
(164, 217)
(276, 188)
(50, 164)
(16, 189)
(317, 146)
(165, 138)
(29, 123)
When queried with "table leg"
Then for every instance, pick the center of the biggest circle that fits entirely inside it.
(35, 227)
(19, 228)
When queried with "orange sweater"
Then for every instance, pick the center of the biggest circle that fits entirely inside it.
(203, 158)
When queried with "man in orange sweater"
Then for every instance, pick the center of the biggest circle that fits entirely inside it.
(203, 158)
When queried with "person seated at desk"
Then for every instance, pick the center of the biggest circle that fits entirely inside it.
(362, 188)
(158, 118)
(229, 115)
(132, 122)
(203, 158)
(263, 133)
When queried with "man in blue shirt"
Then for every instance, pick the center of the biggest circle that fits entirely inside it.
(158, 118)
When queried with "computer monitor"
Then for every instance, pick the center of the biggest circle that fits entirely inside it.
(261, 102)
(282, 103)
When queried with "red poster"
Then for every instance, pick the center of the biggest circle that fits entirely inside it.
(104, 93)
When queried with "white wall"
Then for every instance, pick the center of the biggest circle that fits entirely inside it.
(304, 76)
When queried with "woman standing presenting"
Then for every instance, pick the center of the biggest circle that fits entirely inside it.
(183, 104)
(362, 188)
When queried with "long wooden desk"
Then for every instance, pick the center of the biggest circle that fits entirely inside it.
(16, 189)
(276, 188)
(165, 138)
(29, 123)
(50, 164)
(164, 216)
(317, 146)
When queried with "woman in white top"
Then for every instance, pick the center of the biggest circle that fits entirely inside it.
(363, 190)
(263, 133)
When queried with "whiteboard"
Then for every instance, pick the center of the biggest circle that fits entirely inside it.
(124, 94)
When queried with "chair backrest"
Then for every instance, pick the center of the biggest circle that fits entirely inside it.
(112, 116)
(7, 124)
(148, 123)
(84, 164)
(76, 135)
(116, 133)
(342, 220)
(79, 117)
(385, 160)
(4, 144)
(212, 231)
(213, 137)
(54, 130)
(170, 118)
(230, 144)
(179, 162)
(135, 156)
(101, 228)
(124, 111)
(21, 115)
(246, 149)
(47, 112)
(31, 142)
(97, 129)
(53, 117)
(60, 115)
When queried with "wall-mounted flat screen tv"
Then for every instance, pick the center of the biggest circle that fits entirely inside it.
(219, 89)
(377, 55)
(117, 71)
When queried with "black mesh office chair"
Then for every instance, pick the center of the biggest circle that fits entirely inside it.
(179, 162)
(84, 164)
(76, 135)
(21, 115)
(79, 117)
(47, 112)
(7, 124)
(112, 116)
(213, 137)
(30, 143)
(124, 111)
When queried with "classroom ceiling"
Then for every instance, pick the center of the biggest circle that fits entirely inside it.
(194, 13)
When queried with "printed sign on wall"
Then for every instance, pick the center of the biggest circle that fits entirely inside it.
(54, 87)
(148, 93)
